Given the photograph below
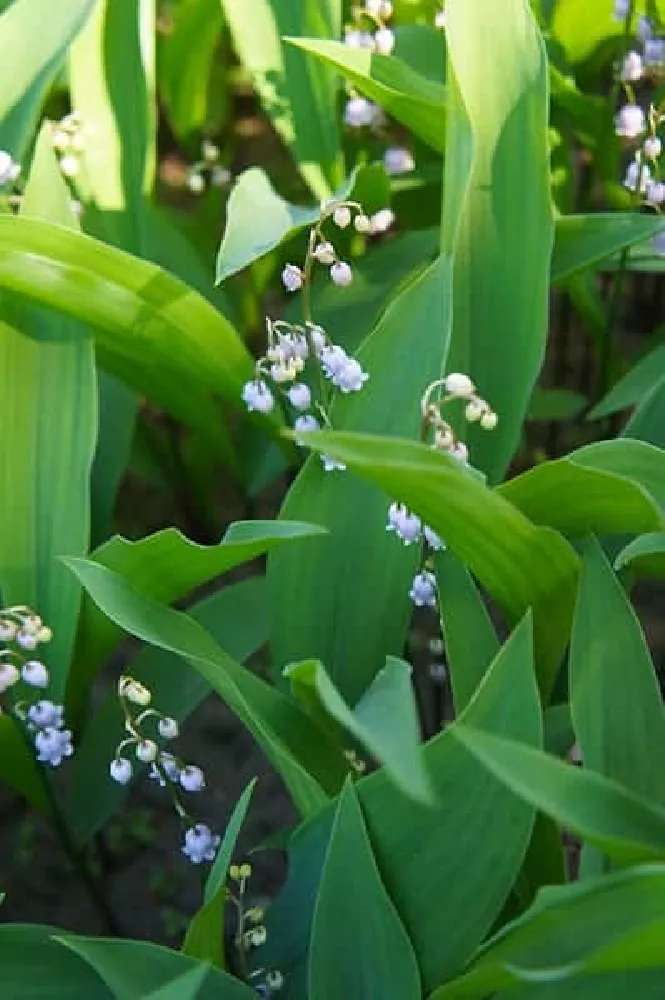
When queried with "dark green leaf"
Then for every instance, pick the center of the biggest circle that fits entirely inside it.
(584, 240)
(361, 950)
(384, 721)
(627, 828)
(24, 946)
(645, 555)
(634, 386)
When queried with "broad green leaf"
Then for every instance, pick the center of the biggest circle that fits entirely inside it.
(151, 330)
(132, 969)
(111, 79)
(422, 852)
(237, 617)
(498, 90)
(34, 38)
(24, 946)
(361, 950)
(310, 766)
(47, 439)
(205, 935)
(333, 576)
(615, 698)
(558, 729)
(585, 240)
(258, 219)
(648, 421)
(521, 565)
(186, 986)
(645, 555)
(384, 721)
(167, 566)
(621, 824)
(422, 47)
(186, 60)
(471, 642)
(638, 461)
(581, 29)
(634, 386)
(414, 100)
(577, 498)
(299, 96)
(613, 923)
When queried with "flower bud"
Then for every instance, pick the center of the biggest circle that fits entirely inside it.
(362, 224)
(489, 420)
(120, 770)
(342, 216)
(325, 253)
(147, 751)
(341, 274)
(458, 384)
(292, 278)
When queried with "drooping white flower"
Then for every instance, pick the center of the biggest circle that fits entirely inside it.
(423, 589)
(385, 9)
(8, 629)
(331, 464)
(333, 360)
(167, 728)
(355, 39)
(9, 170)
(46, 713)
(341, 274)
(381, 221)
(300, 396)
(352, 377)
(196, 182)
(632, 68)
(621, 9)
(292, 278)
(398, 160)
(655, 193)
(384, 40)
(342, 216)
(192, 778)
(53, 745)
(200, 843)
(637, 173)
(318, 337)
(652, 147)
(146, 751)
(274, 980)
(134, 691)
(325, 253)
(433, 540)
(488, 421)
(170, 765)
(362, 223)
(359, 112)
(35, 674)
(406, 525)
(306, 422)
(209, 151)
(120, 770)
(9, 675)
(373, 7)
(440, 20)
(460, 452)
(26, 639)
(257, 396)
(630, 122)
(458, 384)
(70, 165)
(654, 53)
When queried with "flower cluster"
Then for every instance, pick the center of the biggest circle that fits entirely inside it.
(200, 843)
(251, 933)
(301, 356)
(370, 28)
(23, 630)
(208, 168)
(406, 525)
(68, 138)
(643, 64)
